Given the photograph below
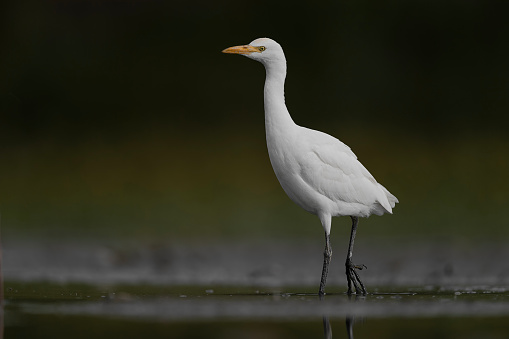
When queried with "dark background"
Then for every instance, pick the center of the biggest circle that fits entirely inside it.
(123, 118)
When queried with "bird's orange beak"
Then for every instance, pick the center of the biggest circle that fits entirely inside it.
(245, 50)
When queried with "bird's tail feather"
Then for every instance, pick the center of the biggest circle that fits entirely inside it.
(386, 200)
(391, 198)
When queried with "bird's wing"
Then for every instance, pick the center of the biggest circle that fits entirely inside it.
(332, 169)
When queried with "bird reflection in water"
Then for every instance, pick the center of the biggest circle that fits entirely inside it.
(327, 331)
(349, 320)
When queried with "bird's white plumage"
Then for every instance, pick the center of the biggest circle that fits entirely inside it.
(317, 171)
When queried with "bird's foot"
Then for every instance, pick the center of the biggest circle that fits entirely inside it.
(353, 277)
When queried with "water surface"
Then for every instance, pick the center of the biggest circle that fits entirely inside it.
(57, 311)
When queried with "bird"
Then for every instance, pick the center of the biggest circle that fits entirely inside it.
(318, 172)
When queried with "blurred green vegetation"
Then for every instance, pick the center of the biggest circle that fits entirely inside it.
(124, 119)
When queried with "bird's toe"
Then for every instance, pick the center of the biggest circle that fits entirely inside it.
(354, 279)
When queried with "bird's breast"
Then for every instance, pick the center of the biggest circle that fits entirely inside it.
(284, 153)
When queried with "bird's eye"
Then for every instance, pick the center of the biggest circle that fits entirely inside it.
(261, 48)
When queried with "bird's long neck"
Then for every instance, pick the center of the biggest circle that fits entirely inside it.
(277, 117)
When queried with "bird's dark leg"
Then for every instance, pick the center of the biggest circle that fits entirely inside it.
(351, 275)
(327, 254)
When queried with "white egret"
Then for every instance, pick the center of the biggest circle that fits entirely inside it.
(317, 171)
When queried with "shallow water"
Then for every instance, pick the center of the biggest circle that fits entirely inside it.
(434, 289)
(35, 310)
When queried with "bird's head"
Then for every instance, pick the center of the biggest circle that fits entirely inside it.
(264, 50)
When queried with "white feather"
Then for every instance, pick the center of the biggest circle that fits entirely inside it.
(317, 171)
